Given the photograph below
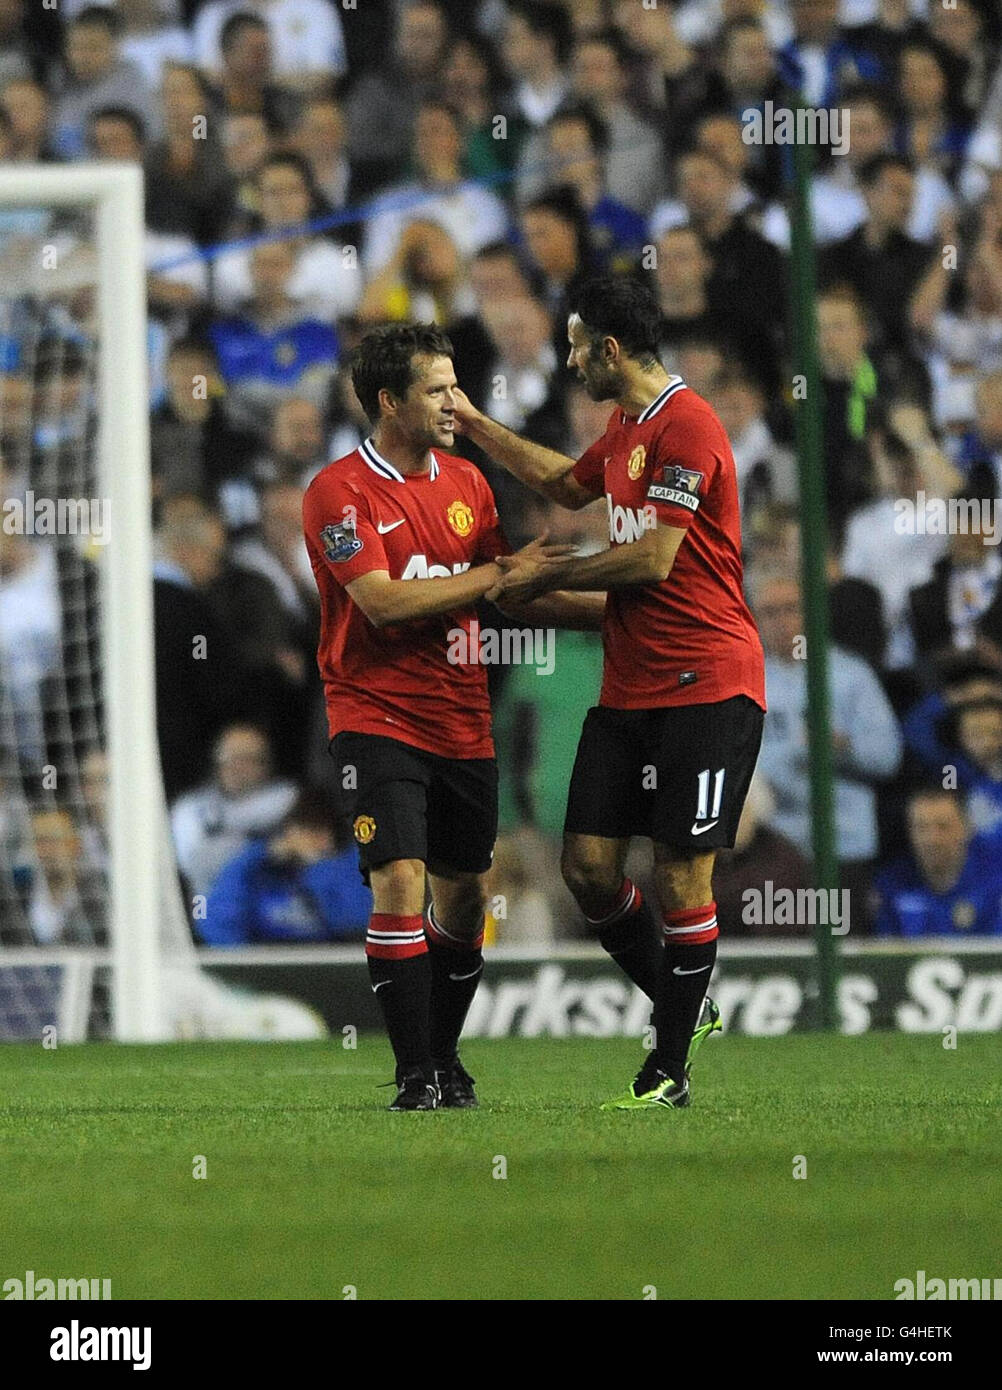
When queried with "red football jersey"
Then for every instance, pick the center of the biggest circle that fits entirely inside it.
(361, 514)
(690, 640)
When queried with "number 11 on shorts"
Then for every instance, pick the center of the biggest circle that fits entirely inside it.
(703, 783)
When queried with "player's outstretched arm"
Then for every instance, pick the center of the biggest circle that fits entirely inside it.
(542, 469)
(385, 601)
(648, 560)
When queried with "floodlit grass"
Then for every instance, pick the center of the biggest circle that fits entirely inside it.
(311, 1186)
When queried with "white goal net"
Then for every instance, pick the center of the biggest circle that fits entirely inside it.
(94, 938)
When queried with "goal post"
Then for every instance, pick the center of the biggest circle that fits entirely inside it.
(136, 817)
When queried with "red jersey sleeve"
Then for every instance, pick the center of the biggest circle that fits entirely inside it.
(339, 528)
(687, 458)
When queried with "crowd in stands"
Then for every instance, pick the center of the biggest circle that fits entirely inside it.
(314, 168)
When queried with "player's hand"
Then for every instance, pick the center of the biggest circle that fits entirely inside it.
(464, 413)
(531, 571)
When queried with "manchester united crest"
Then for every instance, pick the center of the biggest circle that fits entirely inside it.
(365, 829)
(460, 518)
(636, 463)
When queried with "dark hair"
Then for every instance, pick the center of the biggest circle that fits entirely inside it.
(929, 791)
(103, 15)
(608, 37)
(313, 810)
(564, 203)
(384, 360)
(290, 159)
(871, 171)
(866, 94)
(234, 26)
(598, 131)
(120, 113)
(620, 307)
(547, 19)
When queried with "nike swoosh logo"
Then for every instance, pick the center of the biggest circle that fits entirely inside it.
(380, 985)
(469, 976)
(698, 971)
(702, 829)
(382, 531)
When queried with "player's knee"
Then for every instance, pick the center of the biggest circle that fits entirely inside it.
(398, 887)
(591, 878)
(463, 915)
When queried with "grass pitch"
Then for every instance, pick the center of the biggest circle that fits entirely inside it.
(311, 1187)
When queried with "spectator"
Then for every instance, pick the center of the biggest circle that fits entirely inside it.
(320, 137)
(273, 348)
(950, 882)
(965, 337)
(64, 903)
(850, 384)
(929, 134)
(153, 36)
(821, 57)
(879, 260)
(381, 107)
(194, 448)
(555, 232)
(981, 454)
(299, 885)
(297, 449)
(878, 549)
(577, 154)
(14, 49)
(962, 45)
(425, 280)
(534, 48)
(747, 271)
(524, 372)
(95, 76)
(838, 205)
(962, 602)
(472, 216)
(26, 104)
(305, 35)
(469, 87)
(866, 743)
(186, 192)
(29, 640)
(760, 855)
(325, 279)
(634, 174)
(885, 34)
(245, 84)
(246, 144)
(200, 684)
(242, 801)
(961, 728)
(766, 470)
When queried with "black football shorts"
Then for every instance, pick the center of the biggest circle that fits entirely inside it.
(678, 775)
(405, 803)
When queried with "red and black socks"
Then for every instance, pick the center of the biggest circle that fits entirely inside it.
(456, 968)
(401, 977)
(629, 933)
(690, 951)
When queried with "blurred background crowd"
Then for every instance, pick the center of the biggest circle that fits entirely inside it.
(313, 168)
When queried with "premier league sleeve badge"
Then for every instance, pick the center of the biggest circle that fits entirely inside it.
(340, 541)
